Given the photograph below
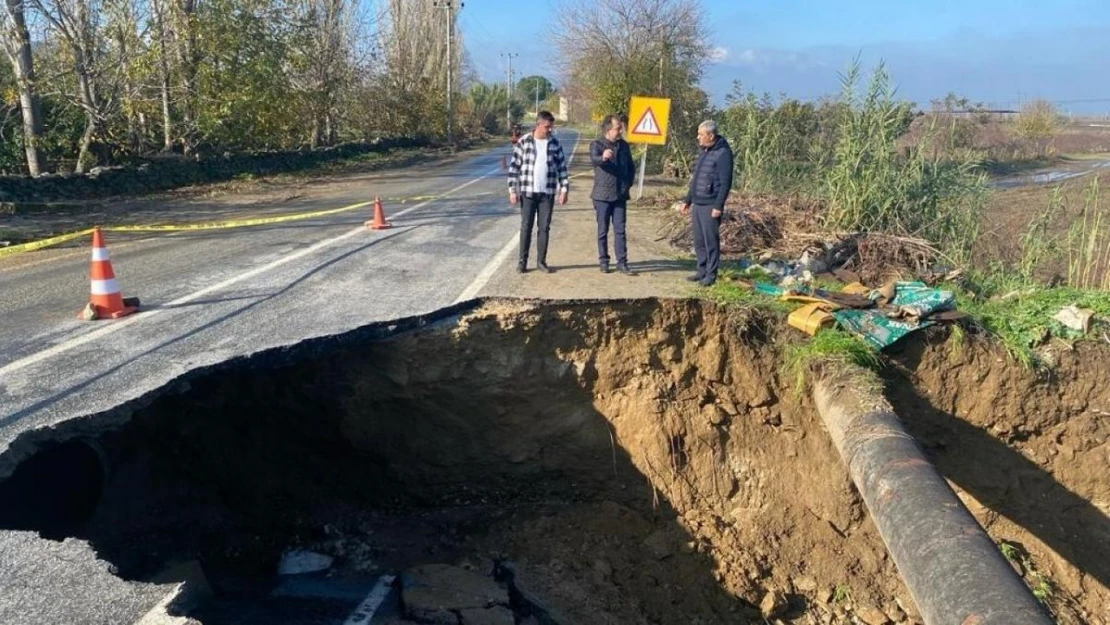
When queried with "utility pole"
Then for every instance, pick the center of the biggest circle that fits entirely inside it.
(509, 90)
(449, 5)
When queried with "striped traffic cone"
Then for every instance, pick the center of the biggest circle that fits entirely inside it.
(105, 301)
(379, 222)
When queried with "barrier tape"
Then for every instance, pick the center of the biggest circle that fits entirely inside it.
(217, 225)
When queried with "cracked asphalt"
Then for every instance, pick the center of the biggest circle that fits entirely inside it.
(208, 296)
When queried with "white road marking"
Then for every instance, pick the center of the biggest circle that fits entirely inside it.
(491, 268)
(159, 615)
(364, 613)
(118, 325)
(486, 274)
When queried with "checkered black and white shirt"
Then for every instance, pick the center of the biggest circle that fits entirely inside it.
(523, 166)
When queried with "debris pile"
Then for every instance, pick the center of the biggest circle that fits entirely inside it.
(766, 227)
(878, 316)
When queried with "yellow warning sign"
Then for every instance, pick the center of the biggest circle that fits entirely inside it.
(647, 120)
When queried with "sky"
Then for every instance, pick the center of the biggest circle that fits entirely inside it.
(999, 52)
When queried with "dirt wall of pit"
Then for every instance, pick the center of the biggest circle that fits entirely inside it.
(672, 412)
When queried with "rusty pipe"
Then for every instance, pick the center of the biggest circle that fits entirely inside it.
(953, 570)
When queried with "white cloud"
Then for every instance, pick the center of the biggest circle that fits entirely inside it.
(748, 57)
(718, 54)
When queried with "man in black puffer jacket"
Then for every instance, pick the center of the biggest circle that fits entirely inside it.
(613, 175)
(710, 185)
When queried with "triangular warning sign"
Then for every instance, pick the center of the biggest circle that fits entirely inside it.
(647, 125)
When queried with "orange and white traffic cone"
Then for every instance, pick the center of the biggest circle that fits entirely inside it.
(105, 301)
(379, 222)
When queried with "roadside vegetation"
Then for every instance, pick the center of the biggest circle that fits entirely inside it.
(91, 83)
(917, 181)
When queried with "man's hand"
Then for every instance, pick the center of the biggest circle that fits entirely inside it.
(563, 198)
(513, 199)
(716, 213)
(685, 209)
(607, 154)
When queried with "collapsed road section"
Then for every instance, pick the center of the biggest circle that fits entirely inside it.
(574, 462)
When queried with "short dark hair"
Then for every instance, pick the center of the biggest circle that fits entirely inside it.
(545, 116)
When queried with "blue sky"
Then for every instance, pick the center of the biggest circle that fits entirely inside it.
(995, 51)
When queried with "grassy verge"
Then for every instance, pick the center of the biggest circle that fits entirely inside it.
(1022, 319)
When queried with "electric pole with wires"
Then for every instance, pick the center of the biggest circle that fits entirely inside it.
(449, 5)
(509, 90)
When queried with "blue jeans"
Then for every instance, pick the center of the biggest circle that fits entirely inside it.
(616, 213)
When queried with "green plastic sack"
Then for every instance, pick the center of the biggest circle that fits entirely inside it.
(918, 300)
(875, 328)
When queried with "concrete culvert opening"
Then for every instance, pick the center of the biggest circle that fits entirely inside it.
(618, 462)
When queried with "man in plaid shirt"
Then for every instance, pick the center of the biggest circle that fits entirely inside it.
(537, 173)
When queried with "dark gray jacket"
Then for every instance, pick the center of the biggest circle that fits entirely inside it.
(612, 178)
(711, 181)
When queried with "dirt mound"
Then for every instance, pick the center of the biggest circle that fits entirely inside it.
(638, 462)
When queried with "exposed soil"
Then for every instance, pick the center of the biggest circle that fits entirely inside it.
(637, 461)
(1028, 452)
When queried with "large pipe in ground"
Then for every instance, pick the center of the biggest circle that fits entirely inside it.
(952, 568)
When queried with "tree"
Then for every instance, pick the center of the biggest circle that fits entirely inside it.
(531, 89)
(17, 44)
(619, 48)
(320, 71)
(77, 22)
(1037, 125)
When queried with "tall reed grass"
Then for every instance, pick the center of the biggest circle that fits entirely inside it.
(846, 153)
(1088, 243)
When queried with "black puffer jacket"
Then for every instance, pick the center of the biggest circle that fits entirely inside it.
(711, 181)
(612, 178)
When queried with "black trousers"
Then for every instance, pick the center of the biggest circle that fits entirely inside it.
(531, 206)
(614, 212)
(707, 240)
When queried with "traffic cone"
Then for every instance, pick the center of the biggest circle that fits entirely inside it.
(105, 301)
(379, 222)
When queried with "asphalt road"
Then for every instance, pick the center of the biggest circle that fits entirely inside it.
(208, 296)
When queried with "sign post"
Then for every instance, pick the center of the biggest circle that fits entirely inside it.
(649, 118)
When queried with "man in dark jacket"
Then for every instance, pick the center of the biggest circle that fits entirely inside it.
(710, 185)
(613, 175)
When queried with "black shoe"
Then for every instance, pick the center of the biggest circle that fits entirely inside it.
(707, 281)
(544, 268)
(695, 278)
(623, 268)
(604, 267)
(521, 268)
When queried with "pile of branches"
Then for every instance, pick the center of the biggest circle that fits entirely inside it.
(761, 227)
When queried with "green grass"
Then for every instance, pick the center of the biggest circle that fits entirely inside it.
(1042, 586)
(828, 346)
(726, 292)
(1025, 320)
(842, 594)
